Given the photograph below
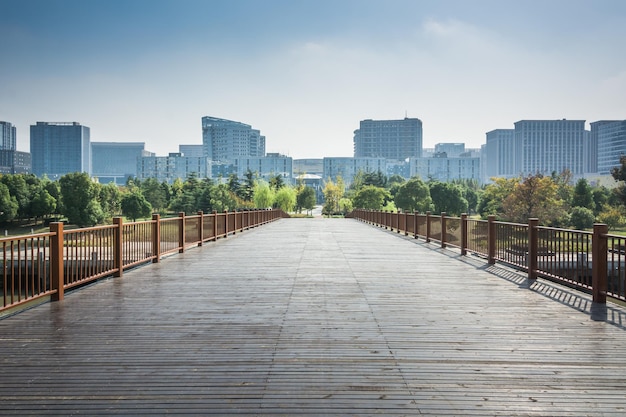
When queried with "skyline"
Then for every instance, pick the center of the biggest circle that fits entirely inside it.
(306, 73)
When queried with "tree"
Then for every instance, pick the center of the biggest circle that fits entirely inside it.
(371, 197)
(583, 195)
(305, 199)
(493, 196)
(134, 205)
(285, 199)
(613, 217)
(8, 204)
(19, 190)
(222, 198)
(582, 218)
(263, 195)
(332, 194)
(276, 182)
(79, 199)
(413, 195)
(154, 193)
(536, 196)
(110, 198)
(42, 204)
(447, 198)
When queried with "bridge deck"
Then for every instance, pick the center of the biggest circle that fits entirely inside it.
(315, 317)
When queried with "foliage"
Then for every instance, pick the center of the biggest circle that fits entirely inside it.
(333, 192)
(222, 199)
(305, 199)
(8, 204)
(285, 198)
(447, 198)
(613, 217)
(79, 199)
(155, 193)
(345, 205)
(110, 198)
(371, 197)
(42, 203)
(390, 206)
(493, 196)
(263, 195)
(583, 195)
(362, 179)
(582, 218)
(134, 205)
(535, 196)
(276, 182)
(413, 195)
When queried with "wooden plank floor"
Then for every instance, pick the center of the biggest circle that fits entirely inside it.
(316, 317)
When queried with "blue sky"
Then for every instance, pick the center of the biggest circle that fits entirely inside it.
(306, 72)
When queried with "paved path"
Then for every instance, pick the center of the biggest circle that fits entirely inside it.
(315, 317)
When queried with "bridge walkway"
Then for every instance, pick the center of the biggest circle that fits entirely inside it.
(316, 317)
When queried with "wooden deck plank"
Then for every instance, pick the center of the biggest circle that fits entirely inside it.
(315, 317)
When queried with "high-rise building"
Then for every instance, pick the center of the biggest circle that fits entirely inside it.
(346, 168)
(175, 165)
(389, 139)
(610, 138)
(499, 157)
(547, 146)
(266, 166)
(14, 162)
(59, 148)
(224, 140)
(191, 150)
(116, 161)
(445, 169)
(8, 137)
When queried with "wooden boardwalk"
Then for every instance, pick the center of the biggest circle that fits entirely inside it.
(318, 317)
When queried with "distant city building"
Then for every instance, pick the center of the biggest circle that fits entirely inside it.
(609, 136)
(224, 140)
(116, 161)
(452, 150)
(444, 169)
(266, 166)
(389, 139)
(347, 168)
(313, 166)
(191, 150)
(8, 137)
(499, 158)
(175, 165)
(547, 146)
(59, 148)
(14, 162)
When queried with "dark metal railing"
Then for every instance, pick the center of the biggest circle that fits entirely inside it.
(590, 261)
(45, 265)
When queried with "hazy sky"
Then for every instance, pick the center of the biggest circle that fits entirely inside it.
(305, 72)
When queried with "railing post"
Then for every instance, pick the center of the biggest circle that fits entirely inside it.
(406, 232)
(599, 262)
(181, 232)
(463, 234)
(156, 238)
(415, 225)
(427, 226)
(200, 228)
(118, 247)
(491, 239)
(225, 223)
(443, 230)
(215, 225)
(235, 222)
(533, 248)
(56, 261)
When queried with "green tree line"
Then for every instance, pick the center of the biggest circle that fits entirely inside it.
(556, 199)
(82, 201)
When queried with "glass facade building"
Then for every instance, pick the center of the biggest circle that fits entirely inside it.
(610, 137)
(116, 161)
(59, 148)
(224, 140)
(169, 168)
(8, 137)
(347, 168)
(389, 139)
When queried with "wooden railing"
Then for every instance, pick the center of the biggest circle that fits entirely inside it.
(44, 265)
(590, 261)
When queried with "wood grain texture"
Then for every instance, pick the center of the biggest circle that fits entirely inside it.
(315, 317)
